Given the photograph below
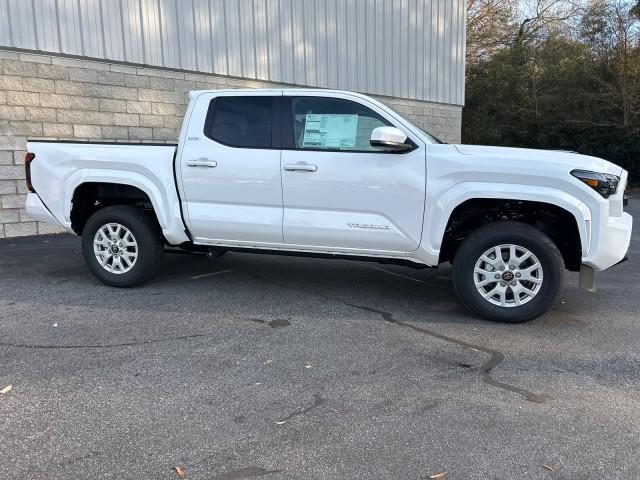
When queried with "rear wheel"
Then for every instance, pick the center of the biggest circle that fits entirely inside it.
(122, 246)
(508, 272)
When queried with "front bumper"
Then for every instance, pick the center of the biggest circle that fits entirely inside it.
(610, 242)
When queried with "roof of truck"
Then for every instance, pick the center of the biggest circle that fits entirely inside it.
(195, 93)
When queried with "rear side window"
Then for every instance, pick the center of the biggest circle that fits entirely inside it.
(243, 122)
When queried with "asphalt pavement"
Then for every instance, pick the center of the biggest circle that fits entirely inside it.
(256, 366)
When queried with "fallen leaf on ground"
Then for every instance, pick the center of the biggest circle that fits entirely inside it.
(6, 389)
(546, 466)
(439, 475)
(280, 423)
(179, 471)
(268, 360)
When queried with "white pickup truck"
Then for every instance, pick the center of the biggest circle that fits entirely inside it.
(337, 174)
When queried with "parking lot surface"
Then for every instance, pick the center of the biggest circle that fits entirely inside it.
(253, 366)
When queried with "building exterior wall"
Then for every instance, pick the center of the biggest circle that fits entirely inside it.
(398, 48)
(54, 97)
(121, 70)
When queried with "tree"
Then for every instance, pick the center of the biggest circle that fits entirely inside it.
(490, 27)
(540, 18)
(611, 32)
(560, 81)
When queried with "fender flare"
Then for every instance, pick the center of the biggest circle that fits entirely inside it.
(442, 207)
(164, 208)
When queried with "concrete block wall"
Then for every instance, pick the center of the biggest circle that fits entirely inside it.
(60, 98)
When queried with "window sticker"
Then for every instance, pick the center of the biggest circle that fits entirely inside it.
(330, 131)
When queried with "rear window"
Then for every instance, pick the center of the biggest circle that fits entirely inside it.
(243, 122)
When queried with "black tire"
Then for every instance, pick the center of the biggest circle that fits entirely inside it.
(501, 233)
(147, 235)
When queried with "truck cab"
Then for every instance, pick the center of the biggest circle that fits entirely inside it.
(296, 168)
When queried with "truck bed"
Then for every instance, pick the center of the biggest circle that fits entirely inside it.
(59, 167)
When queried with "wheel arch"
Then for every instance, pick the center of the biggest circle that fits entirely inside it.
(135, 186)
(447, 208)
(89, 197)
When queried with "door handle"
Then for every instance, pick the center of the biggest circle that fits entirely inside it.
(202, 162)
(305, 167)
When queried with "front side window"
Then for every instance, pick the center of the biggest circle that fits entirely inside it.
(243, 122)
(322, 123)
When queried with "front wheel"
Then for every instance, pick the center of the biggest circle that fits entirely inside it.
(508, 272)
(122, 246)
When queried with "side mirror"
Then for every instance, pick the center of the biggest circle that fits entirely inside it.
(390, 138)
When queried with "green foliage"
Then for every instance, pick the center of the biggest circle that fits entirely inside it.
(570, 92)
(614, 143)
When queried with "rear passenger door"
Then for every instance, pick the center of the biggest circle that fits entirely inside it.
(230, 169)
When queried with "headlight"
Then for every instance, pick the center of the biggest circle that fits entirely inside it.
(603, 183)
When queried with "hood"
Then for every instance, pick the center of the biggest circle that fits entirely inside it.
(539, 158)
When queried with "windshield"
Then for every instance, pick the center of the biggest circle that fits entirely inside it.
(430, 136)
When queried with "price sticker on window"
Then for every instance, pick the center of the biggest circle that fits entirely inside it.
(330, 131)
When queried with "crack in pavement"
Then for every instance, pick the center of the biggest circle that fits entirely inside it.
(426, 282)
(495, 359)
(108, 345)
(317, 402)
(277, 323)
(485, 370)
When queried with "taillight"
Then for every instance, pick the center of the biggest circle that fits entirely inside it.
(28, 158)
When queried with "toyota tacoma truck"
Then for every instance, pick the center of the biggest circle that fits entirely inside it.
(340, 175)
